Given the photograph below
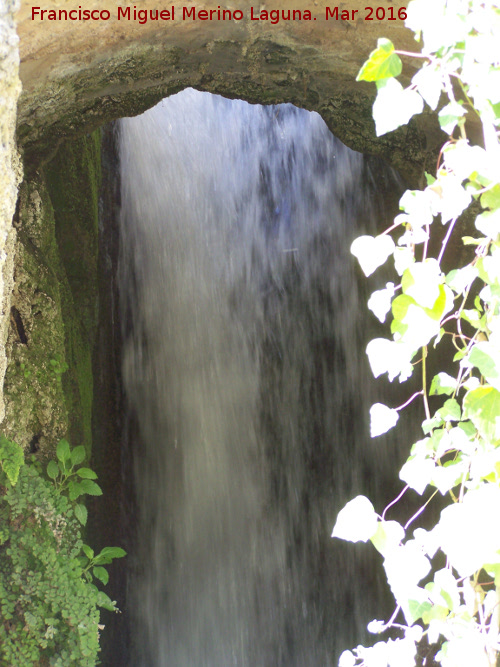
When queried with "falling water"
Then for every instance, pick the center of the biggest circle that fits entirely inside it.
(245, 374)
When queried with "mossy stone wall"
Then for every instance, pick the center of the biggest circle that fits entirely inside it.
(49, 382)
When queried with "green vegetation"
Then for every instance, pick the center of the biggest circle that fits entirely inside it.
(49, 602)
(446, 581)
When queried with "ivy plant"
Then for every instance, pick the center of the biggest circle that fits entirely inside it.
(49, 602)
(446, 580)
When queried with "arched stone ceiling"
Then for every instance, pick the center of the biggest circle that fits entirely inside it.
(77, 75)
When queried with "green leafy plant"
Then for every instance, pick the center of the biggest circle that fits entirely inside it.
(458, 604)
(48, 600)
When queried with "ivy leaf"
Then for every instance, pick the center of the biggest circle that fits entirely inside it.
(421, 281)
(488, 223)
(417, 473)
(482, 407)
(403, 258)
(468, 536)
(450, 411)
(460, 279)
(394, 106)
(380, 302)
(449, 116)
(357, 521)
(382, 419)
(63, 451)
(78, 455)
(52, 470)
(81, 513)
(391, 357)
(491, 198)
(101, 573)
(382, 63)
(442, 383)
(486, 357)
(429, 84)
(372, 252)
(389, 535)
(418, 608)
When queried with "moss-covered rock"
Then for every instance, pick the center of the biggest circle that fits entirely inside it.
(49, 381)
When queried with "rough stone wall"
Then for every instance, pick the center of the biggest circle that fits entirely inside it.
(10, 168)
(49, 384)
(77, 75)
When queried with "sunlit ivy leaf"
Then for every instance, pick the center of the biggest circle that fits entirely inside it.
(429, 84)
(442, 383)
(482, 407)
(490, 266)
(394, 106)
(447, 586)
(468, 536)
(491, 198)
(454, 198)
(450, 411)
(421, 281)
(382, 63)
(405, 566)
(434, 422)
(464, 159)
(347, 659)
(488, 223)
(403, 258)
(380, 301)
(357, 521)
(382, 419)
(448, 476)
(393, 358)
(417, 473)
(389, 535)
(460, 279)
(486, 357)
(464, 651)
(418, 205)
(449, 116)
(372, 252)
(418, 608)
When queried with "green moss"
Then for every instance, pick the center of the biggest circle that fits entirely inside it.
(74, 178)
(49, 382)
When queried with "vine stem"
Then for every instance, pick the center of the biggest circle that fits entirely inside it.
(417, 393)
(417, 514)
(393, 502)
(424, 382)
(446, 239)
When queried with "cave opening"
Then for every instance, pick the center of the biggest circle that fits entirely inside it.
(231, 385)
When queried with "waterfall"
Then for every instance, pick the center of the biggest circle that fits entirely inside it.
(245, 375)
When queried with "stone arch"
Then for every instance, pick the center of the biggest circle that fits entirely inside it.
(77, 75)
